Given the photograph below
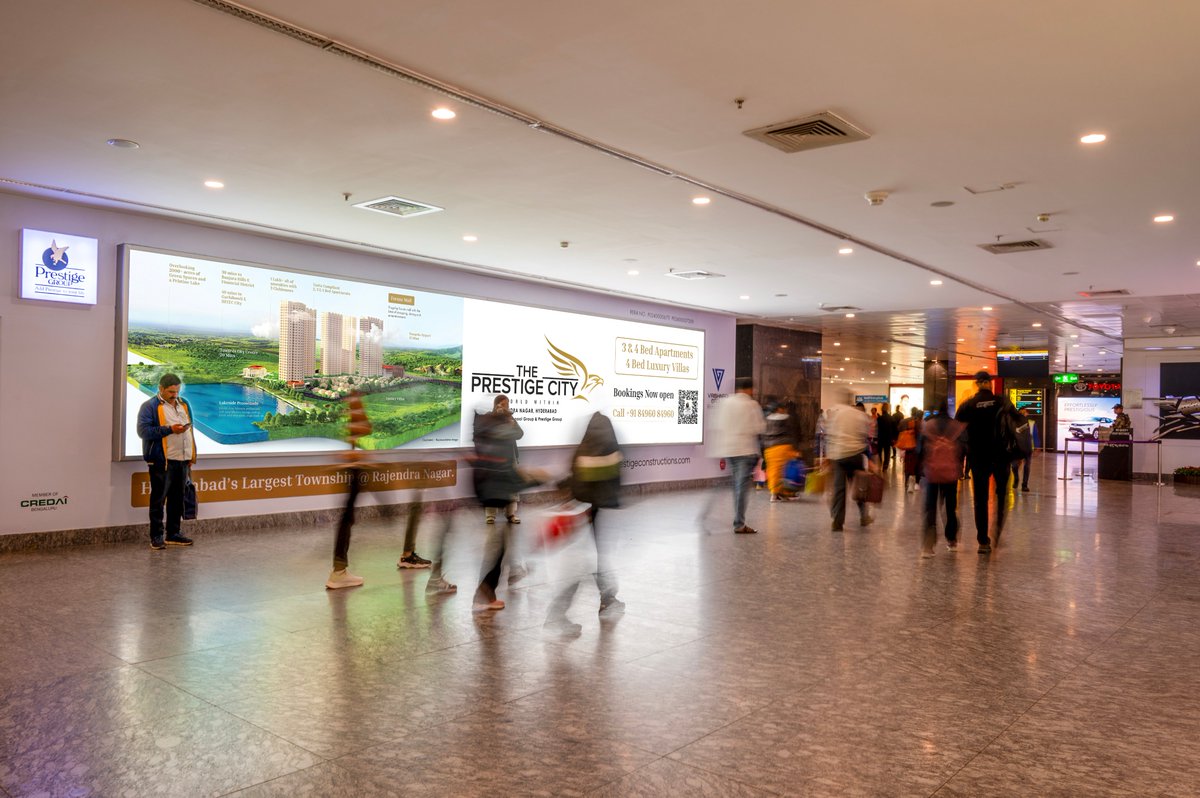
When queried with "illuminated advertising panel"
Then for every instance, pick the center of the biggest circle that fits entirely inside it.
(267, 354)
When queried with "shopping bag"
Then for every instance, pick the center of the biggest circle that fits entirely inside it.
(794, 474)
(191, 506)
(563, 522)
(816, 480)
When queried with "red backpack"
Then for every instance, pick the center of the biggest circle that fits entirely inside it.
(942, 454)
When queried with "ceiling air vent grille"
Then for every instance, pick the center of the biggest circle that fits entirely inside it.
(1007, 247)
(808, 133)
(840, 308)
(1104, 294)
(396, 206)
(694, 274)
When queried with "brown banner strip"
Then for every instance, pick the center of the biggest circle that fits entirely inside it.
(249, 484)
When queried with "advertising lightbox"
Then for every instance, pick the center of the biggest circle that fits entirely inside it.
(267, 354)
(1083, 417)
(59, 267)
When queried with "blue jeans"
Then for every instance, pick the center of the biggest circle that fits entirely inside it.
(742, 469)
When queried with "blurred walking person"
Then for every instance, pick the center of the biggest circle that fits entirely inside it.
(910, 435)
(846, 429)
(887, 436)
(737, 424)
(988, 455)
(595, 480)
(497, 484)
(779, 448)
(357, 427)
(940, 453)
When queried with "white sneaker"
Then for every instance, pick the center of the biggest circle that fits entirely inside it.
(342, 578)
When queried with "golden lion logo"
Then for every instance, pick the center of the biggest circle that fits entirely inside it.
(570, 366)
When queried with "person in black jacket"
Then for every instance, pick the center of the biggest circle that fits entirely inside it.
(986, 456)
(887, 436)
(595, 480)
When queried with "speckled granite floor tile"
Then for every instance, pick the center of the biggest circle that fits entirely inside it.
(793, 662)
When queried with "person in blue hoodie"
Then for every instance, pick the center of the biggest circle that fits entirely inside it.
(164, 424)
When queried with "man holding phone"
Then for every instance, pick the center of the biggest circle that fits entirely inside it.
(169, 447)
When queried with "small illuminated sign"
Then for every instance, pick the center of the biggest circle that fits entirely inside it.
(59, 267)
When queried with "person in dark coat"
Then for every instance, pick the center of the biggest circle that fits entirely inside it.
(887, 436)
(595, 480)
(497, 483)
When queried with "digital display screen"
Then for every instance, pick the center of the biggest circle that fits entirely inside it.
(266, 356)
(1025, 363)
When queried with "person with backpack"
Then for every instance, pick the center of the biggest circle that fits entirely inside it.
(910, 434)
(992, 445)
(939, 450)
(1025, 439)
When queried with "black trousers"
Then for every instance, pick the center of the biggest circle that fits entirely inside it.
(1025, 475)
(948, 495)
(983, 472)
(341, 544)
(843, 479)
(166, 488)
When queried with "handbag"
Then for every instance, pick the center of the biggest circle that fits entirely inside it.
(815, 480)
(190, 504)
(868, 487)
(562, 522)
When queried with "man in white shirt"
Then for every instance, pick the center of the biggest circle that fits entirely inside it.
(169, 447)
(846, 430)
(737, 424)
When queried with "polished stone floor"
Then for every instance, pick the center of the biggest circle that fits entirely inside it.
(792, 662)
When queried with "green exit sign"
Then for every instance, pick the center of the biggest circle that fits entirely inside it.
(1066, 378)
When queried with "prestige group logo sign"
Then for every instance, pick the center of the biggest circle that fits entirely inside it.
(58, 267)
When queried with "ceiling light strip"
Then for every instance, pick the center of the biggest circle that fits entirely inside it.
(335, 47)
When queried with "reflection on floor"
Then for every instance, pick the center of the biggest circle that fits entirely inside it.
(792, 662)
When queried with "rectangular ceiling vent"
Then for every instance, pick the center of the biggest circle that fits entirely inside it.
(694, 274)
(839, 308)
(808, 133)
(396, 206)
(1007, 247)
(1104, 294)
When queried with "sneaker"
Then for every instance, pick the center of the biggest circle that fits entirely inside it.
(491, 519)
(1024, 488)
(564, 627)
(952, 546)
(343, 578)
(512, 519)
(413, 560)
(516, 573)
(866, 520)
(157, 544)
(491, 605)
(745, 530)
(926, 554)
(178, 540)
(440, 585)
(985, 548)
(612, 606)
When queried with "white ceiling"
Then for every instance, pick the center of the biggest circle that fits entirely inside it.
(953, 94)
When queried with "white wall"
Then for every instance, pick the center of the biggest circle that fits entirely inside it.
(1141, 370)
(57, 366)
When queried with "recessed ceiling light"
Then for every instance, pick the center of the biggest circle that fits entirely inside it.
(986, 307)
(701, 200)
(1093, 138)
(883, 362)
(849, 315)
(935, 282)
(837, 343)
(960, 340)
(872, 372)
(214, 184)
(633, 272)
(819, 351)
(470, 239)
(744, 296)
(991, 346)
(1164, 218)
(1185, 347)
(783, 346)
(123, 144)
(442, 113)
(1074, 335)
(1074, 346)
(846, 251)
(841, 369)
(1103, 352)
(1154, 349)
(1037, 324)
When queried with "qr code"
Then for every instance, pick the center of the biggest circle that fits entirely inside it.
(688, 403)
